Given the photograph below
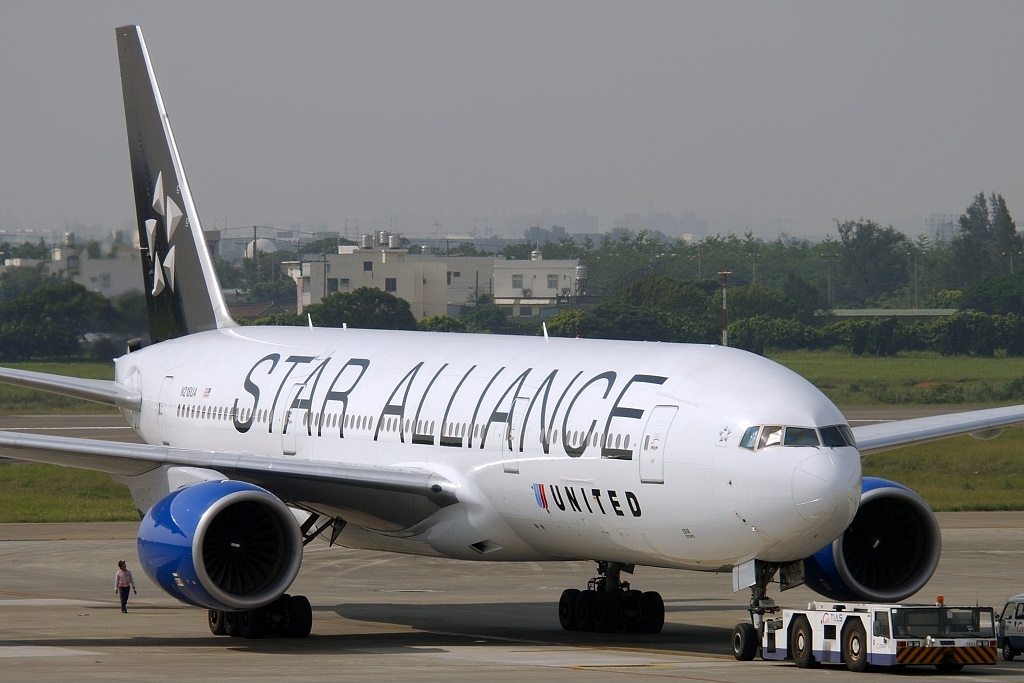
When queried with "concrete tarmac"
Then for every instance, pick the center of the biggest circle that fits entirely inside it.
(387, 617)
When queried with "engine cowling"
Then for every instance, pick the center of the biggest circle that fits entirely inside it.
(225, 545)
(888, 552)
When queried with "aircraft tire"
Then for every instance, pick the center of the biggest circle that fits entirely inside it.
(253, 623)
(216, 620)
(567, 609)
(585, 610)
(744, 642)
(300, 617)
(232, 623)
(608, 612)
(652, 612)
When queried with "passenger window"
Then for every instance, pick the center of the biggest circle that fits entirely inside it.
(801, 436)
(770, 436)
(749, 438)
(1020, 611)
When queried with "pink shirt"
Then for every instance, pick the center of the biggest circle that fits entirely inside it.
(124, 579)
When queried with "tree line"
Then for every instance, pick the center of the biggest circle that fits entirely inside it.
(649, 287)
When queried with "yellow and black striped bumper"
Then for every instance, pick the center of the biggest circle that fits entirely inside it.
(947, 655)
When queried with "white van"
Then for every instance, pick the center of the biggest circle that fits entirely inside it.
(1011, 627)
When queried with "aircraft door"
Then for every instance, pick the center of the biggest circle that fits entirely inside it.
(512, 437)
(293, 420)
(163, 411)
(296, 419)
(652, 444)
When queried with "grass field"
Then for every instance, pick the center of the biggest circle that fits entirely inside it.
(959, 474)
(19, 401)
(910, 378)
(955, 474)
(31, 492)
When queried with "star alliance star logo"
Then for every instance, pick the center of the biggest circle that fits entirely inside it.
(163, 268)
(723, 436)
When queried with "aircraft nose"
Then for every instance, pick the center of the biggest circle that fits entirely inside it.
(827, 484)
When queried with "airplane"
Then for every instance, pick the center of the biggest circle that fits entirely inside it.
(258, 440)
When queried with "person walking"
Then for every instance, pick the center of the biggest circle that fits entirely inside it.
(124, 582)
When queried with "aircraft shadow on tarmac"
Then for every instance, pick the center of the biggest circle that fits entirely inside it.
(436, 626)
(678, 640)
(528, 622)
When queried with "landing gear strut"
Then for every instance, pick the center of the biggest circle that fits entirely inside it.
(609, 605)
(290, 616)
(746, 637)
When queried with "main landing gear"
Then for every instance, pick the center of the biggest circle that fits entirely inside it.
(290, 616)
(608, 605)
(746, 637)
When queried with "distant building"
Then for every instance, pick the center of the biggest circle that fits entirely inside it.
(573, 221)
(665, 223)
(253, 311)
(419, 281)
(535, 288)
(436, 284)
(110, 277)
(943, 227)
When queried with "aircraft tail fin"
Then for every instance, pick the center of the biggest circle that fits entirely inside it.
(183, 293)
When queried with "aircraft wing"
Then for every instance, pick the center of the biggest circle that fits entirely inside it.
(98, 390)
(380, 498)
(885, 436)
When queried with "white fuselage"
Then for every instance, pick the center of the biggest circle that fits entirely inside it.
(558, 448)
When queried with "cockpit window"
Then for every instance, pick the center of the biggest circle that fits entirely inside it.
(770, 436)
(837, 436)
(762, 436)
(832, 437)
(801, 436)
(749, 438)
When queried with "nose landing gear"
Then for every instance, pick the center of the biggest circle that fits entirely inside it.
(608, 605)
(746, 637)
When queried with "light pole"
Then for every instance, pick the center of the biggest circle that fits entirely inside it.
(915, 255)
(754, 258)
(828, 263)
(725, 310)
(1010, 254)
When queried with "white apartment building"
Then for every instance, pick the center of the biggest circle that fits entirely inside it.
(436, 285)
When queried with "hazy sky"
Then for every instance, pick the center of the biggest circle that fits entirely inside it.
(772, 115)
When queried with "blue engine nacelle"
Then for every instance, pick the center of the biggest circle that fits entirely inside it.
(888, 552)
(225, 545)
